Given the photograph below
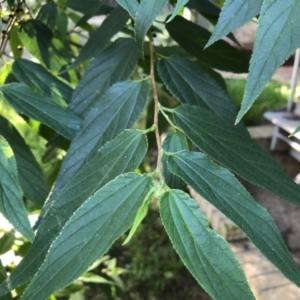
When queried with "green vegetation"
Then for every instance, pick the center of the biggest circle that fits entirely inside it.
(79, 178)
(273, 96)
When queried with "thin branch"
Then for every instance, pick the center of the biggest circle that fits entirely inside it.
(156, 108)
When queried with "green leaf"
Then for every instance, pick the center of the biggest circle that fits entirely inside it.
(31, 177)
(11, 201)
(174, 142)
(278, 22)
(218, 186)
(118, 109)
(110, 212)
(62, 24)
(38, 40)
(114, 64)
(204, 7)
(234, 14)
(146, 14)
(47, 14)
(206, 255)
(2, 278)
(233, 147)
(81, 6)
(6, 242)
(40, 80)
(41, 108)
(101, 37)
(130, 5)
(93, 11)
(193, 39)
(121, 155)
(140, 215)
(15, 43)
(190, 85)
(179, 5)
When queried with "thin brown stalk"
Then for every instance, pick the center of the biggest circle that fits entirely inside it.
(156, 107)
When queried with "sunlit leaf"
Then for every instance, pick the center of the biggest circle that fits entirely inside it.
(41, 108)
(206, 254)
(39, 79)
(2, 278)
(140, 215)
(101, 37)
(6, 242)
(31, 177)
(11, 201)
(39, 41)
(15, 42)
(218, 186)
(47, 14)
(179, 5)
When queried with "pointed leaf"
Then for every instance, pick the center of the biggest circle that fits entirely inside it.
(89, 233)
(31, 177)
(140, 215)
(39, 41)
(174, 142)
(41, 108)
(93, 11)
(40, 80)
(2, 278)
(121, 155)
(234, 14)
(206, 255)
(130, 5)
(179, 5)
(193, 39)
(114, 64)
(6, 241)
(218, 186)
(11, 200)
(118, 109)
(296, 130)
(204, 7)
(146, 14)
(190, 85)
(47, 14)
(277, 38)
(101, 37)
(233, 147)
(81, 6)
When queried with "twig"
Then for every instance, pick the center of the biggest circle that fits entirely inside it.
(156, 108)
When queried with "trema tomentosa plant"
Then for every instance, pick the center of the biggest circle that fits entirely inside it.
(139, 74)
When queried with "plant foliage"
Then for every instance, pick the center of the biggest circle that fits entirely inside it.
(97, 94)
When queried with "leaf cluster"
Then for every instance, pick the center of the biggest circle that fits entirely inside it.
(99, 93)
